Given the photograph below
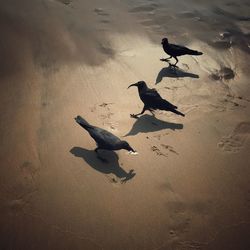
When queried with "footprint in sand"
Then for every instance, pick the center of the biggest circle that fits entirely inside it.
(158, 137)
(66, 2)
(117, 181)
(158, 151)
(101, 12)
(169, 148)
(104, 105)
(189, 15)
(29, 170)
(235, 141)
(16, 205)
(224, 73)
(17, 194)
(105, 21)
(144, 8)
(222, 44)
(105, 115)
(166, 147)
(104, 16)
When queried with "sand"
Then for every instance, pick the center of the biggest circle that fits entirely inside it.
(188, 188)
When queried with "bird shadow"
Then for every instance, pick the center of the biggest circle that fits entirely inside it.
(102, 165)
(173, 73)
(149, 123)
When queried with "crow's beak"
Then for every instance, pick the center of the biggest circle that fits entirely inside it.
(134, 84)
(131, 150)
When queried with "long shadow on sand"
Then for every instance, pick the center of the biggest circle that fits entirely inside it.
(149, 123)
(173, 73)
(108, 165)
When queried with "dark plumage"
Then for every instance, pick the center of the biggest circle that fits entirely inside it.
(103, 138)
(152, 100)
(177, 50)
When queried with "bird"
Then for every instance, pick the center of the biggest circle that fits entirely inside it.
(152, 100)
(176, 50)
(103, 138)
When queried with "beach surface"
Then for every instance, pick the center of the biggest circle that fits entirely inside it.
(188, 187)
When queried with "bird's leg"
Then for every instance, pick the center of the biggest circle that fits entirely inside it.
(174, 66)
(152, 112)
(165, 59)
(176, 62)
(135, 115)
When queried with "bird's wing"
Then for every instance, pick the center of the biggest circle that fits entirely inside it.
(103, 137)
(179, 48)
(152, 93)
(167, 104)
(152, 98)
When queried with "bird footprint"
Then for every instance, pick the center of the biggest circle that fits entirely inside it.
(100, 12)
(169, 148)
(235, 141)
(157, 151)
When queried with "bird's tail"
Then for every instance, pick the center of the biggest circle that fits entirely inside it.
(168, 105)
(194, 52)
(83, 123)
(165, 105)
(177, 112)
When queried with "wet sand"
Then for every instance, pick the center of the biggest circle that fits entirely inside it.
(188, 188)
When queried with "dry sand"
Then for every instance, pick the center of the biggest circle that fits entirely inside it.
(189, 186)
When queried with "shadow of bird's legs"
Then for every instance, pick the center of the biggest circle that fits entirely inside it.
(173, 67)
(129, 176)
(136, 115)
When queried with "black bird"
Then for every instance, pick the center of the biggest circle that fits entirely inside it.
(152, 100)
(176, 50)
(103, 138)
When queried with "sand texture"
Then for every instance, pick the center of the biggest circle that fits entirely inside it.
(189, 186)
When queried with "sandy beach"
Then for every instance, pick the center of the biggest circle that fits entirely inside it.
(188, 187)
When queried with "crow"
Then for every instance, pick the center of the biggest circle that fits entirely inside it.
(104, 139)
(152, 100)
(176, 50)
